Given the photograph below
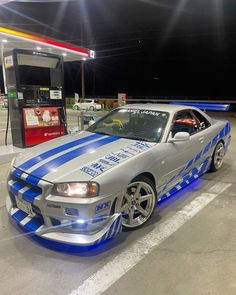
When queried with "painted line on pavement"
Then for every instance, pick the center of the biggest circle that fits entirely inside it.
(121, 264)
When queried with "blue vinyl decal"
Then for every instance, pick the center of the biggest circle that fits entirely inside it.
(46, 168)
(223, 132)
(31, 194)
(33, 161)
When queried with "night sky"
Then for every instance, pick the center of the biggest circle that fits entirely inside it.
(144, 47)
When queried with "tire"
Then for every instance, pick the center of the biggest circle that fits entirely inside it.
(135, 211)
(217, 157)
(76, 107)
(91, 108)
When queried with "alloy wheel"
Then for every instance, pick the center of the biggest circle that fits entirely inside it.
(138, 204)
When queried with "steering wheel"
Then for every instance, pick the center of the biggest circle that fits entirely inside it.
(118, 123)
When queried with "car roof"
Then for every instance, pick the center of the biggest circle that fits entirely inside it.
(162, 107)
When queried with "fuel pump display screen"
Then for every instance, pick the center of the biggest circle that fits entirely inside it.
(30, 75)
(36, 69)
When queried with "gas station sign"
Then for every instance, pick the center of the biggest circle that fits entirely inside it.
(122, 99)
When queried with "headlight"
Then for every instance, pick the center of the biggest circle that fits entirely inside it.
(76, 189)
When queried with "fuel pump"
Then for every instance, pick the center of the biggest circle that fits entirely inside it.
(35, 89)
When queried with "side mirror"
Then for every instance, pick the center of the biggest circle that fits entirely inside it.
(91, 122)
(180, 137)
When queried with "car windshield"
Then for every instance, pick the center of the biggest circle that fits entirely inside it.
(146, 125)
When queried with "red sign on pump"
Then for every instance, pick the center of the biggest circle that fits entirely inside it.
(42, 124)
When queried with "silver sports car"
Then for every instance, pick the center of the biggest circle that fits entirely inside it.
(83, 189)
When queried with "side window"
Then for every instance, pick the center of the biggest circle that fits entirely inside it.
(203, 122)
(184, 121)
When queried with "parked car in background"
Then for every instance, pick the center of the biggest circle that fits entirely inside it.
(4, 101)
(88, 104)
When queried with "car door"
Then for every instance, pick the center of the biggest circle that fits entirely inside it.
(183, 157)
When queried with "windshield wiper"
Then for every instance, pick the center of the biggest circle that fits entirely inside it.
(136, 138)
(101, 133)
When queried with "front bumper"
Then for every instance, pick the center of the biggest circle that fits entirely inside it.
(49, 221)
(35, 225)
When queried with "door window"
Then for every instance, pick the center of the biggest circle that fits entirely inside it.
(184, 121)
(203, 122)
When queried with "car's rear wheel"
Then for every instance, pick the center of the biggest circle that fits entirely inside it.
(138, 203)
(91, 108)
(218, 156)
(76, 107)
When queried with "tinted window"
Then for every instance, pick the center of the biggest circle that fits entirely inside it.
(203, 122)
(184, 122)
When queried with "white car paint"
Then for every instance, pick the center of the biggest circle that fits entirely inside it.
(89, 105)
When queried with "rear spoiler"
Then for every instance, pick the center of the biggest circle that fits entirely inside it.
(204, 106)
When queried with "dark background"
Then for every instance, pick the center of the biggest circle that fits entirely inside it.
(144, 47)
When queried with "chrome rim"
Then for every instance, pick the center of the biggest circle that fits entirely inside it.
(219, 155)
(138, 204)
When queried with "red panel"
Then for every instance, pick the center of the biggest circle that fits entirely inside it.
(41, 124)
(38, 135)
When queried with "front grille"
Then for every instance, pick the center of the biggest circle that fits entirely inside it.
(36, 210)
(55, 222)
(19, 186)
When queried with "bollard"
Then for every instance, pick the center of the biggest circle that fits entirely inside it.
(81, 120)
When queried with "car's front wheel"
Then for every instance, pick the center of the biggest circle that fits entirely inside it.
(138, 203)
(76, 107)
(218, 156)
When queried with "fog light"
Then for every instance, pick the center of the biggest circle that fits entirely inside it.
(72, 211)
(80, 221)
(79, 224)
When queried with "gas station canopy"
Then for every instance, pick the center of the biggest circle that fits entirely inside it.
(10, 38)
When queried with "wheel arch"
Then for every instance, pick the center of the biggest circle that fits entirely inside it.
(212, 165)
(222, 139)
(149, 175)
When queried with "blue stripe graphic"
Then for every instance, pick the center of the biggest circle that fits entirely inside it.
(189, 164)
(31, 162)
(31, 194)
(198, 156)
(188, 178)
(34, 224)
(206, 149)
(17, 172)
(19, 215)
(59, 161)
(15, 187)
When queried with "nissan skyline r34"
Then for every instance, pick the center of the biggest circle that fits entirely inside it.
(82, 189)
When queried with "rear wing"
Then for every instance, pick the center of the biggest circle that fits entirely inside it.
(204, 106)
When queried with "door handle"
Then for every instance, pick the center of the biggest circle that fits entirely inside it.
(201, 139)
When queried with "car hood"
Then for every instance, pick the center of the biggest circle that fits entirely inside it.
(79, 157)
